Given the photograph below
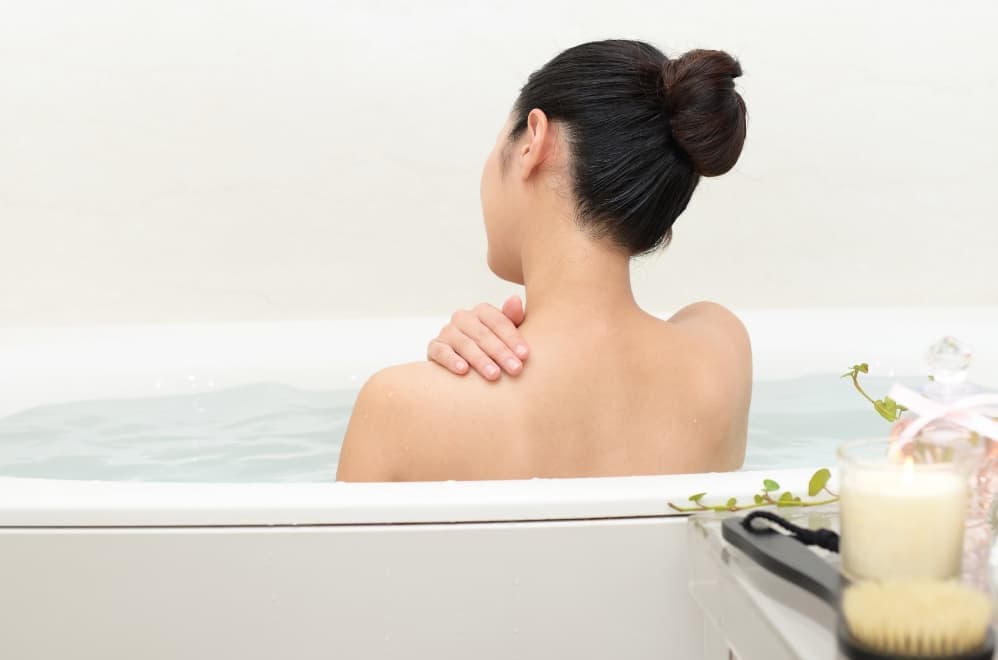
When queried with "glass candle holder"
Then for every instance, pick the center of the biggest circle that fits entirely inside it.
(902, 517)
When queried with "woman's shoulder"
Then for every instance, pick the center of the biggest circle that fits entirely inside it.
(718, 343)
(400, 415)
(418, 386)
(716, 319)
(716, 328)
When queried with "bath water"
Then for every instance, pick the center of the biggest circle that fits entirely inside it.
(272, 432)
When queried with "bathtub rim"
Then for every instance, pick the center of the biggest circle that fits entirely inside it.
(67, 503)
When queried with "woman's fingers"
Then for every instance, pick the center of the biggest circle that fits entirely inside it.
(468, 349)
(504, 328)
(484, 339)
(445, 356)
(488, 341)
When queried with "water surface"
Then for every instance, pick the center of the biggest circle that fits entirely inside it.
(273, 432)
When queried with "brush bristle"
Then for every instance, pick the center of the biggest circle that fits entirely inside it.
(917, 618)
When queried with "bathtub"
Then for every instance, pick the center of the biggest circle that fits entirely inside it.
(580, 568)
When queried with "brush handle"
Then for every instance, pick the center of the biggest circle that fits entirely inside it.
(786, 557)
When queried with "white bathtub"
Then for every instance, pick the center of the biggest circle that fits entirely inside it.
(580, 568)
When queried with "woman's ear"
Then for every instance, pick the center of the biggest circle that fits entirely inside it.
(538, 145)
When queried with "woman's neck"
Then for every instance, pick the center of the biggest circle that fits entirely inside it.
(571, 277)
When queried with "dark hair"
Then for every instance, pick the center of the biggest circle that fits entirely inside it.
(642, 129)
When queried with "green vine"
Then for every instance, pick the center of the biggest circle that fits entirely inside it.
(817, 484)
(887, 407)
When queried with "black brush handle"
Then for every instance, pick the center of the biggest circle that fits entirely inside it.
(786, 557)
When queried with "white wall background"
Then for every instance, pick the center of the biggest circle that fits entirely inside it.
(264, 159)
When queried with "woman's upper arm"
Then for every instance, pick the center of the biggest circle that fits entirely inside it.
(727, 344)
(366, 454)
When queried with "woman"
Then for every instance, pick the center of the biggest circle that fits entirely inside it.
(600, 155)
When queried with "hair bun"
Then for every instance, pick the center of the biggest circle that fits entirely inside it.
(706, 114)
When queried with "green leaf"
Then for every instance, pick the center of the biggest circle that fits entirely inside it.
(857, 369)
(696, 498)
(759, 499)
(787, 497)
(886, 410)
(891, 405)
(769, 485)
(731, 502)
(818, 481)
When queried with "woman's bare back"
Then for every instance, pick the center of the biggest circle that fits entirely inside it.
(622, 396)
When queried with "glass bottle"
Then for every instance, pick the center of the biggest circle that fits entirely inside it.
(948, 361)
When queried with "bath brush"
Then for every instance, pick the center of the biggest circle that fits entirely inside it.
(890, 620)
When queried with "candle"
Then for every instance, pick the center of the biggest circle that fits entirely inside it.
(900, 520)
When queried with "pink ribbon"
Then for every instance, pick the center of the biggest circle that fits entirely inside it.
(969, 412)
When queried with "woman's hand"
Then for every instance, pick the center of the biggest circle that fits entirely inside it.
(485, 338)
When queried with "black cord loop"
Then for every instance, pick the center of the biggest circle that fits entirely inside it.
(823, 538)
